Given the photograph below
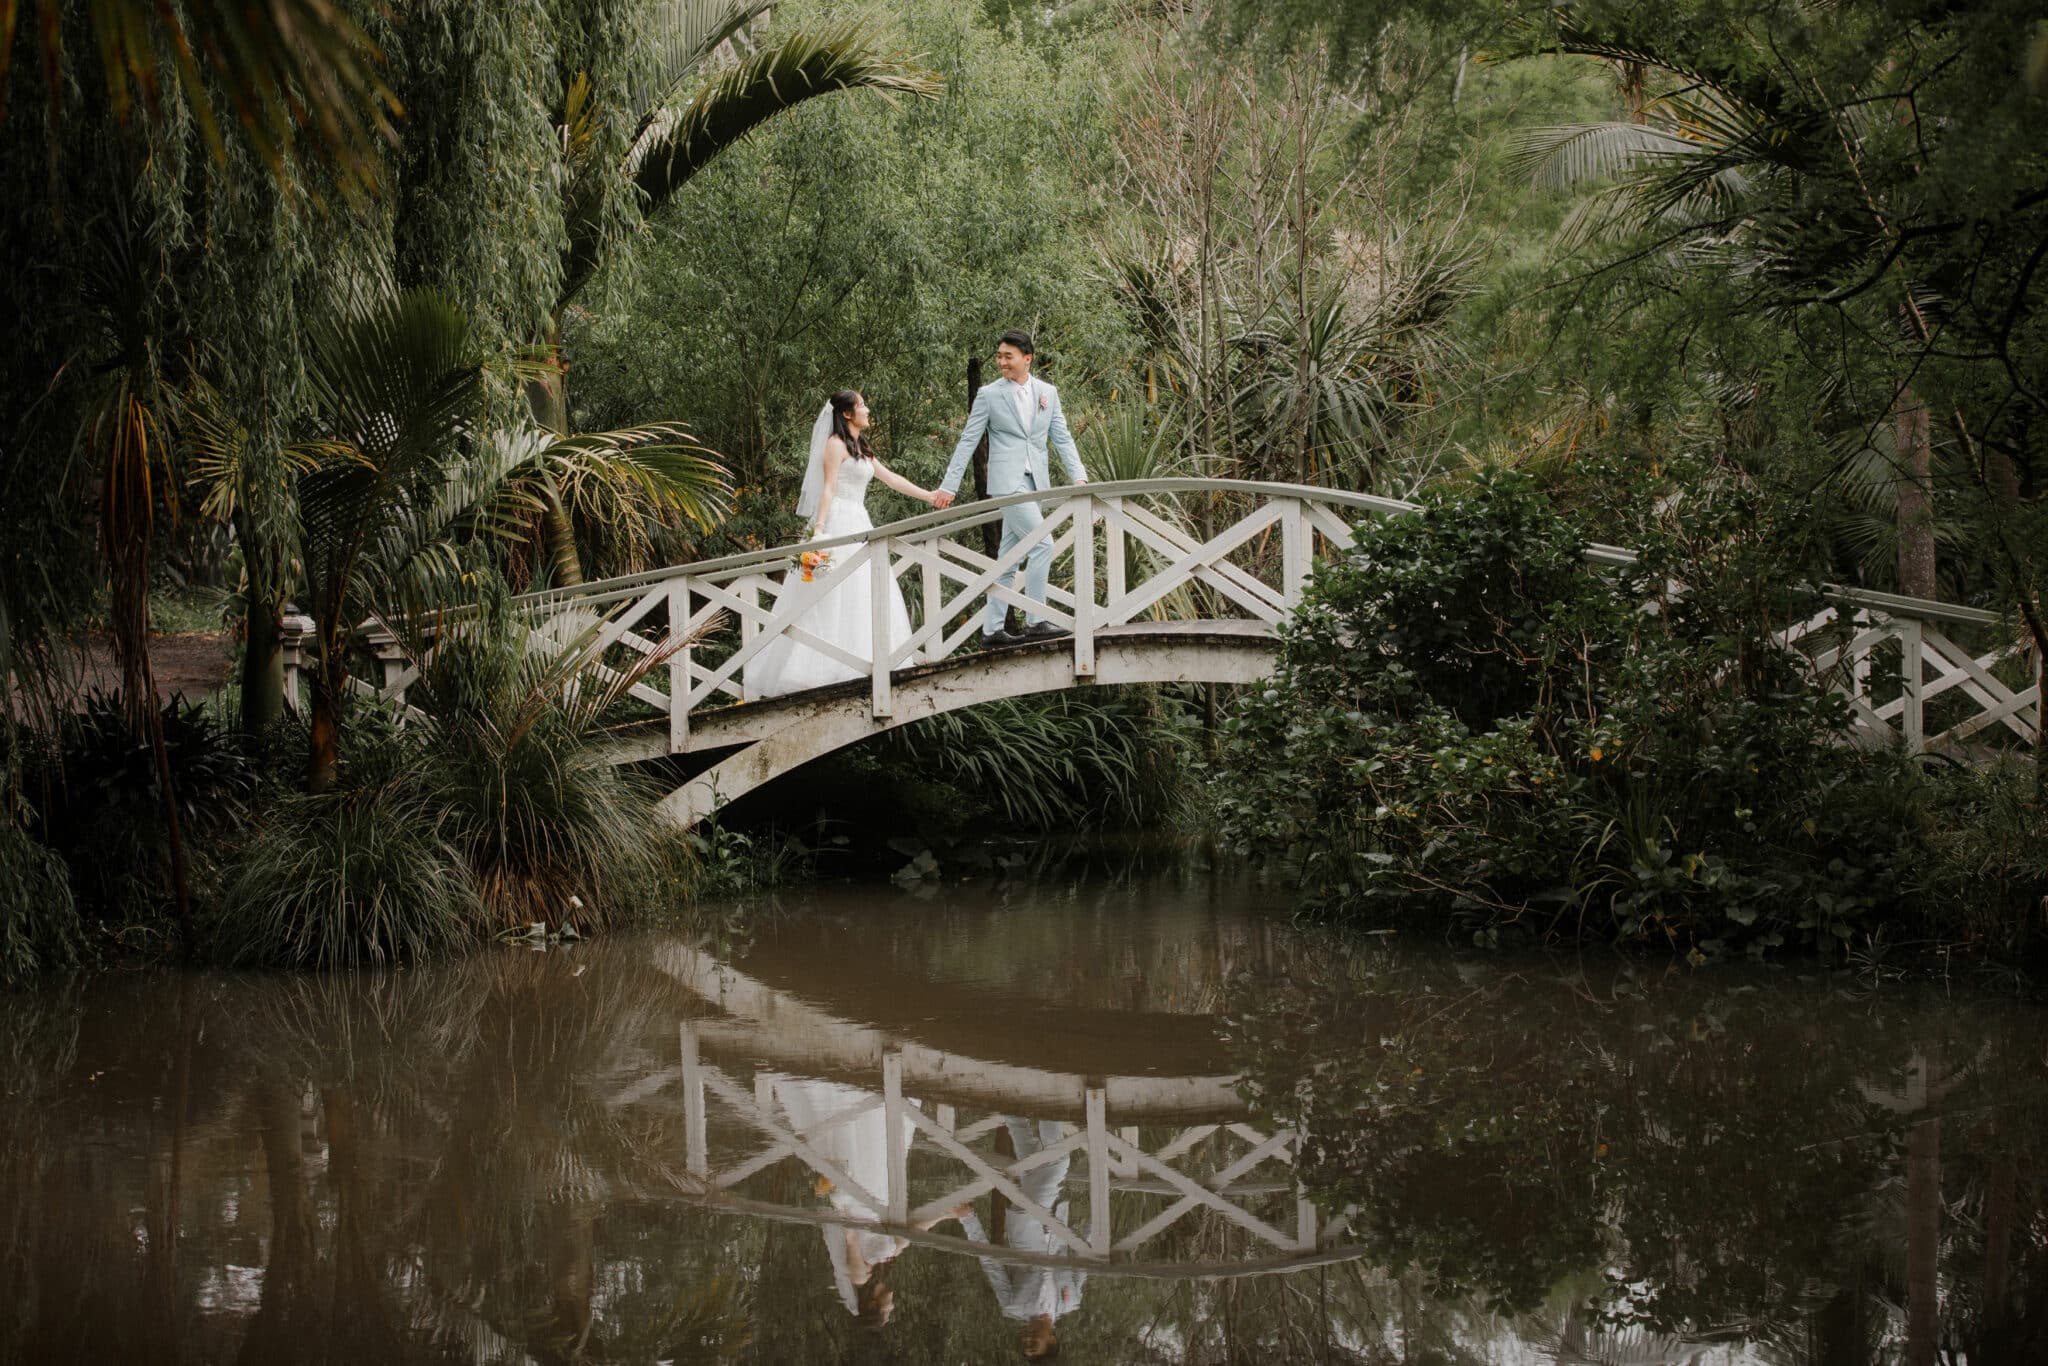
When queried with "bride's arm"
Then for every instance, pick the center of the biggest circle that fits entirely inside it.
(900, 484)
(835, 455)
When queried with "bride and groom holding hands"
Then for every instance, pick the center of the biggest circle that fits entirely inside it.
(1021, 416)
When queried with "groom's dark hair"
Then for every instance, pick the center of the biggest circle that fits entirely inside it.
(1020, 340)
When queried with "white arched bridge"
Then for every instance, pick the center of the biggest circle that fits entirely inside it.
(1157, 581)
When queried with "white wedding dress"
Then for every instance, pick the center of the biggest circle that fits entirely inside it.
(859, 1147)
(843, 617)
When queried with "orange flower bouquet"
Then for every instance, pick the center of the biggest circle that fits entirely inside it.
(812, 561)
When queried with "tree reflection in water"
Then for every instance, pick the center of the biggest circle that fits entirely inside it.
(1649, 1161)
(491, 1161)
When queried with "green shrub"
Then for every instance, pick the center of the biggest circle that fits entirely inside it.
(1984, 877)
(103, 806)
(1470, 719)
(39, 925)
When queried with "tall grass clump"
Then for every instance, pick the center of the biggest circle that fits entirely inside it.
(359, 876)
(1115, 758)
(515, 774)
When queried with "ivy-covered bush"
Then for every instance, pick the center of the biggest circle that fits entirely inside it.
(1472, 718)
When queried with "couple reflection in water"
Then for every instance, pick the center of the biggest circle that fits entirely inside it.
(1034, 1295)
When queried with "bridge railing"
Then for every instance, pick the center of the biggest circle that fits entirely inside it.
(1126, 552)
(1925, 674)
(1148, 550)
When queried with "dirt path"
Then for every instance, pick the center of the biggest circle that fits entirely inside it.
(193, 664)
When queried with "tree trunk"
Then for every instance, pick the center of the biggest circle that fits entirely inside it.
(180, 885)
(1915, 510)
(547, 398)
(323, 757)
(560, 528)
(262, 666)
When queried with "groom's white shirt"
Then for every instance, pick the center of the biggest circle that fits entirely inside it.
(1020, 419)
(1020, 399)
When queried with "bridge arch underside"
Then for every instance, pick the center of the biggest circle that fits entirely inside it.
(770, 739)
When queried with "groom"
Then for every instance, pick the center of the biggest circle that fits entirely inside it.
(1019, 413)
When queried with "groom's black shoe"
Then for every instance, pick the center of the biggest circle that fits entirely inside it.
(1044, 630)
(991, 639)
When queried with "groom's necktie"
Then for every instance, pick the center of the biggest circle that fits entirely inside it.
(1021, 395)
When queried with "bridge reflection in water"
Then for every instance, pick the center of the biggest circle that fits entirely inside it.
(912, 1131)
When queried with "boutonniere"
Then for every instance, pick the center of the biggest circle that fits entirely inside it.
(1041, 403)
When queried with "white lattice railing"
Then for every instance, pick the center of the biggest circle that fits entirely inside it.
(1907, 677)
(1129, 554)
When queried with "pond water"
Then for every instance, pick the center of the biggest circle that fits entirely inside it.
(1132, 1116)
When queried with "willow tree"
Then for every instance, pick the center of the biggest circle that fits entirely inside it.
(637, 98)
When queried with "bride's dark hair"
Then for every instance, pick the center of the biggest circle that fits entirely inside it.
(842, 411)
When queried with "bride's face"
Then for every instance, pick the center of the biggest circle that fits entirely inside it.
(857, 420)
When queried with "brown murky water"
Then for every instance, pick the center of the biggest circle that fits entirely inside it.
(1130, 1116)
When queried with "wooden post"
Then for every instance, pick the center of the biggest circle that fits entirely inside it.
(898, 1138)
(878, 641)
(1294, 552)
(1098, 1171)
(934, 598)
(1911, 717)
(1084, 587)
(1113, 548)
(693, 1103)
(678, 668)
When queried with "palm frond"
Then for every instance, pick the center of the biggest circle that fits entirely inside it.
(398, 386)
(660, 463)
(676, 144)
(682, 36)
(1565, 156)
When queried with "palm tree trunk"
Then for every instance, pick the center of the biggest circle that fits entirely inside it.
(560, 530)
(547, 398)
(1915, 511)
(263, 631)
(323, 751)
(262, 666)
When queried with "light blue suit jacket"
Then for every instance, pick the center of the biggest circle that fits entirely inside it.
(1015, 449)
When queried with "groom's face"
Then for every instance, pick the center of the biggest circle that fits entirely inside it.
(1014, 364)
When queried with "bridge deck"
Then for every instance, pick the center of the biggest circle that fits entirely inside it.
(742, 723)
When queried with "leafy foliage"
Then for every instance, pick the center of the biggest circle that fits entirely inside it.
(1471, 718)
(100, 794)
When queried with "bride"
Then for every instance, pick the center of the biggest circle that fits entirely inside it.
(835, 492)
